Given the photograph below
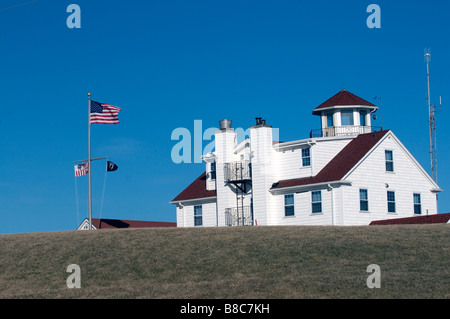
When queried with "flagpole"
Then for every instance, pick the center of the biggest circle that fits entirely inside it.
(89, 161)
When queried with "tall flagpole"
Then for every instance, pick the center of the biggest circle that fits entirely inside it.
(89, 161)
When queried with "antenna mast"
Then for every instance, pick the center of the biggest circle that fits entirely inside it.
(432, 109)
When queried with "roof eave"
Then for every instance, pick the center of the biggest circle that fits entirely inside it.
(307, 187)
(191, 200)
(319, 110)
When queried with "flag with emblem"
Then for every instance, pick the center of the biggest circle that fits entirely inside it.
(111, 167)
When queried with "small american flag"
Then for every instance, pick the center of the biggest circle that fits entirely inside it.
(81, 169)
(102, 113)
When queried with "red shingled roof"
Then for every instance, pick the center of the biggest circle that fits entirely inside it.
(429, 219)
(343, 98)
(115, 223)
(341, 164)
(196, 190)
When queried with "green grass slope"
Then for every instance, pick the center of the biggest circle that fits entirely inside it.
(241, 262)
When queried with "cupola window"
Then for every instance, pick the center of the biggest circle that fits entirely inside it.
(347, 118)
(330, 120)
(362, 118)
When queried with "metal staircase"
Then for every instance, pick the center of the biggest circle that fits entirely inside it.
(238, 174)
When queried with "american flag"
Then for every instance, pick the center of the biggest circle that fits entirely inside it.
(102, 113)
(81, 169)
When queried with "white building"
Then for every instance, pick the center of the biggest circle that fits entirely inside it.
(346, 173)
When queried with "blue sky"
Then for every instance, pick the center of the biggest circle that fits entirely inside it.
(168, 63)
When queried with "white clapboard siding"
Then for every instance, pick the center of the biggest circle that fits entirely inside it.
(303, 210)
(406, 180)
(185, 215)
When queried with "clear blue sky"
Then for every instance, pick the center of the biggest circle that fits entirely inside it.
(168, 63)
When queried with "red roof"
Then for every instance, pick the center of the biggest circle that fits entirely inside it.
(196, 190)
(114, 223)
(341, 164)
(343, 98)
(428, 219)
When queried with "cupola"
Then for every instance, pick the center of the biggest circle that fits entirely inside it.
(344, 114)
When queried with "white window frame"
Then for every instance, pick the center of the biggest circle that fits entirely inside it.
(198, 216)
(386, 161)
(306, 157)
(289, 205)
(316, 202)
(390, 202)
(419, 204)
(364, 200)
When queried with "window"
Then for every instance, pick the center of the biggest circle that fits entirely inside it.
(306, 157)
(417, 204)
(330, 120)
(389, 161)
(198, 216)
(362, 118)
(363, 200)
(391, 202)
(288, 205)
(316, 200)
(213, 171)
(347, 118)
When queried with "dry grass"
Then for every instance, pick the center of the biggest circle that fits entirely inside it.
(250, 262)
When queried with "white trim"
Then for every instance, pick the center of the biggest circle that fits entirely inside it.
(295, 144)
(337, 107)
(285, 146)
(211, 199)
(307, 188)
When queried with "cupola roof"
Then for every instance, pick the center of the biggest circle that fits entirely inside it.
(342, 99)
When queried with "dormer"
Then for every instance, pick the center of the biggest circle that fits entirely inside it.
(344, 114)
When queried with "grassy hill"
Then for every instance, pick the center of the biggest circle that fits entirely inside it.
(250, 262)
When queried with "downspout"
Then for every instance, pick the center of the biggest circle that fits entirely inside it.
(181, 206)
(332, 204)
(342, 206)
(217, 201)
(311, 156)
(437, 207)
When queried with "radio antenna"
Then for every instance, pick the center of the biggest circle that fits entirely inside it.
(432, 110)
